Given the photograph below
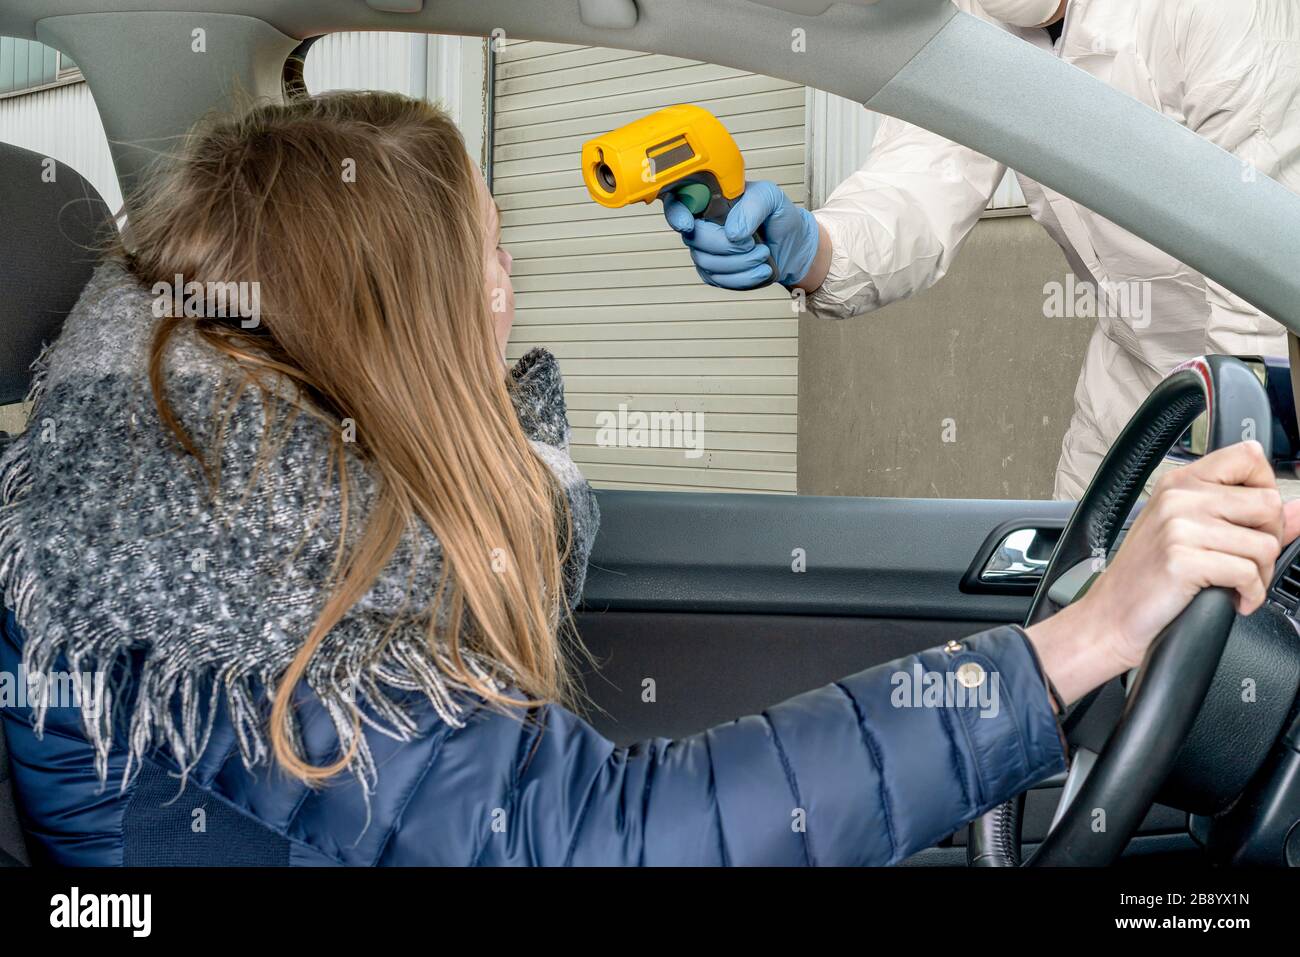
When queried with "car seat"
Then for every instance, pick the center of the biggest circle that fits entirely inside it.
(55, 225)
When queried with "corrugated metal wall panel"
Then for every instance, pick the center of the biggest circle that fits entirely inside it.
(840, 134)
(63, 123)
(447, 70)
(365, 61)
(613, 293)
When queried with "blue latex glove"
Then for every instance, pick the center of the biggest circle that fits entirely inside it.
(730, 258)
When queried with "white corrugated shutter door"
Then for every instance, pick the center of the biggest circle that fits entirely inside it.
(613, 293)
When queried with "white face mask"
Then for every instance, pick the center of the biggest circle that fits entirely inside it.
(1021, 13)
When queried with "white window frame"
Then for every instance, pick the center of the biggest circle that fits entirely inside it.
(66, 74)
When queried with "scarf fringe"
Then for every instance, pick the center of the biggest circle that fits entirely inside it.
(170, 707)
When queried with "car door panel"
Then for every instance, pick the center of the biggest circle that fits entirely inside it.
(739, 553)
(730, 603)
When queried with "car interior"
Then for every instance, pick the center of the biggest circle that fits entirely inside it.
(697, 589)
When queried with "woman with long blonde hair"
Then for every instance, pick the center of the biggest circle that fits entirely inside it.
(320, 544)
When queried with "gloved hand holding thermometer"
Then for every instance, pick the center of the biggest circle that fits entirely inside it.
(726, 255)
(741, 235)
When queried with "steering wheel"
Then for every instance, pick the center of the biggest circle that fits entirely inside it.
(1167, 691)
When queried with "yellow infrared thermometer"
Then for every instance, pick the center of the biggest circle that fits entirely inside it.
(682, 150)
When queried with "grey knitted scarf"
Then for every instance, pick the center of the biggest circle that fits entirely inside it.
(117, 560)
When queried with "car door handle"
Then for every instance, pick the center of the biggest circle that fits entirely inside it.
(1013, 558)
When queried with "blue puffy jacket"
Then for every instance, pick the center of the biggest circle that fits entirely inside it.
(852, 773)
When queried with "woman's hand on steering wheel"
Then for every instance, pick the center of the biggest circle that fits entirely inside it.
(1219, 521)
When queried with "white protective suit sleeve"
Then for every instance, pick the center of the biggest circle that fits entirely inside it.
(1232, 71)
(896, 224)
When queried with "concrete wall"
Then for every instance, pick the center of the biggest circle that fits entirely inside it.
(874, 392)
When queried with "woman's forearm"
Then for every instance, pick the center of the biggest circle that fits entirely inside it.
(1074, 651)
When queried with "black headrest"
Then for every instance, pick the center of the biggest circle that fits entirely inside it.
(52, 226)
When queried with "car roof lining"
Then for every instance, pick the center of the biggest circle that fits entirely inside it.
(920, 60)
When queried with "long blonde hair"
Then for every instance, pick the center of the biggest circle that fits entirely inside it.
(373, 302)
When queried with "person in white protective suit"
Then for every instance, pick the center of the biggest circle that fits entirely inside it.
(1227, 69)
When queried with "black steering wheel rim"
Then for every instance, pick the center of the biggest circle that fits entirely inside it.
(1171, 684)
